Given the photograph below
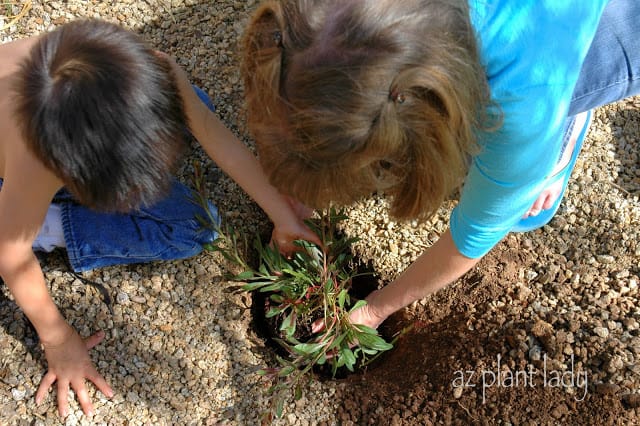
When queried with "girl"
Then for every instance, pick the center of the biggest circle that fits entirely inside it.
(416, 97)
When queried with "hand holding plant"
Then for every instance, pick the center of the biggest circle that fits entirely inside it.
(312, 285)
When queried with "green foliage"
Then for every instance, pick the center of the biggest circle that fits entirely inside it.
(312, 285)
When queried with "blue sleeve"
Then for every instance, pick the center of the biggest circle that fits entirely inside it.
(507, 176)
(532, 51)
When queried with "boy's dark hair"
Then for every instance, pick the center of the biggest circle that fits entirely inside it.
(101, 110)
(347, 97)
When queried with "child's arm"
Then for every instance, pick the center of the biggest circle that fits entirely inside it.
(437, 267)
(22, 210)
(232, 156)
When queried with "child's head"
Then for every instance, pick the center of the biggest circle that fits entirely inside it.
(103, 112)
(349, 97)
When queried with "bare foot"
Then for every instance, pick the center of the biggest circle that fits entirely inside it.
(550, 194)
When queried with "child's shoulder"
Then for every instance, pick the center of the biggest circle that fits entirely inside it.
(9, 132)
(11, 56)
(17, 163)
(13, 53)
(27, 184)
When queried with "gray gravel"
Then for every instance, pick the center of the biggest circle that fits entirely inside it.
(179, 346)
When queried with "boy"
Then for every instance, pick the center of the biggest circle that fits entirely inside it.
(89, 107)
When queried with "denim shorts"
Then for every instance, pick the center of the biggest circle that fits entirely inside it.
(611, 70)
(167, 230)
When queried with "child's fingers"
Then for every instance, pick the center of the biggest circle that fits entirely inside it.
(45, 384)
(63, 404)
(94, 339)
(317, 326)
(83, 397)
(283, 246)
(161, 54)
(312, 237)
(301, 210)
(100, 383)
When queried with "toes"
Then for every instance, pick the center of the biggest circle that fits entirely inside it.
(548, 203)
(537, 206)
(534, 212)
(546, 200)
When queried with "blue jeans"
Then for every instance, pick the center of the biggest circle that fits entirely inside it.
(167, 230)
(611, 70)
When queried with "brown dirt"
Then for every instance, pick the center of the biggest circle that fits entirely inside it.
(459, 335)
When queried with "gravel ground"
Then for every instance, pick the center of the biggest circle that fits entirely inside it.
(180, 348)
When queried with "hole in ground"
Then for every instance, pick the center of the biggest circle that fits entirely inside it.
(268, 328)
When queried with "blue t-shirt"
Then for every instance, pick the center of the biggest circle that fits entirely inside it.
(532, 51)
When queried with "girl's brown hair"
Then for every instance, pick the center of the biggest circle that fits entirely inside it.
(349, 97)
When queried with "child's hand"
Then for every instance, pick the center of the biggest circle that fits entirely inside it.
(286, 233)
(366, 315)
(69, 364)
(299, 209)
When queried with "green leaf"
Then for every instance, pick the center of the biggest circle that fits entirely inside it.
(359, 304)
(329, 285)
(303, 278)
(342, 297)
(337, 342)
(298, 392)
(365, 329)
(276, 298)
(349, 358)
(273, 311)
(285, 371)
(308, 348)
(229, 257)
(277, 286)
(279, 405)
(245, 275)
(289, 324)
(368, 351)
(254, 285)
(372, 341)
(263, 269)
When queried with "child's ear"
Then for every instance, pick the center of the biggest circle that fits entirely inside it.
(265, 29)
(262, 60)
